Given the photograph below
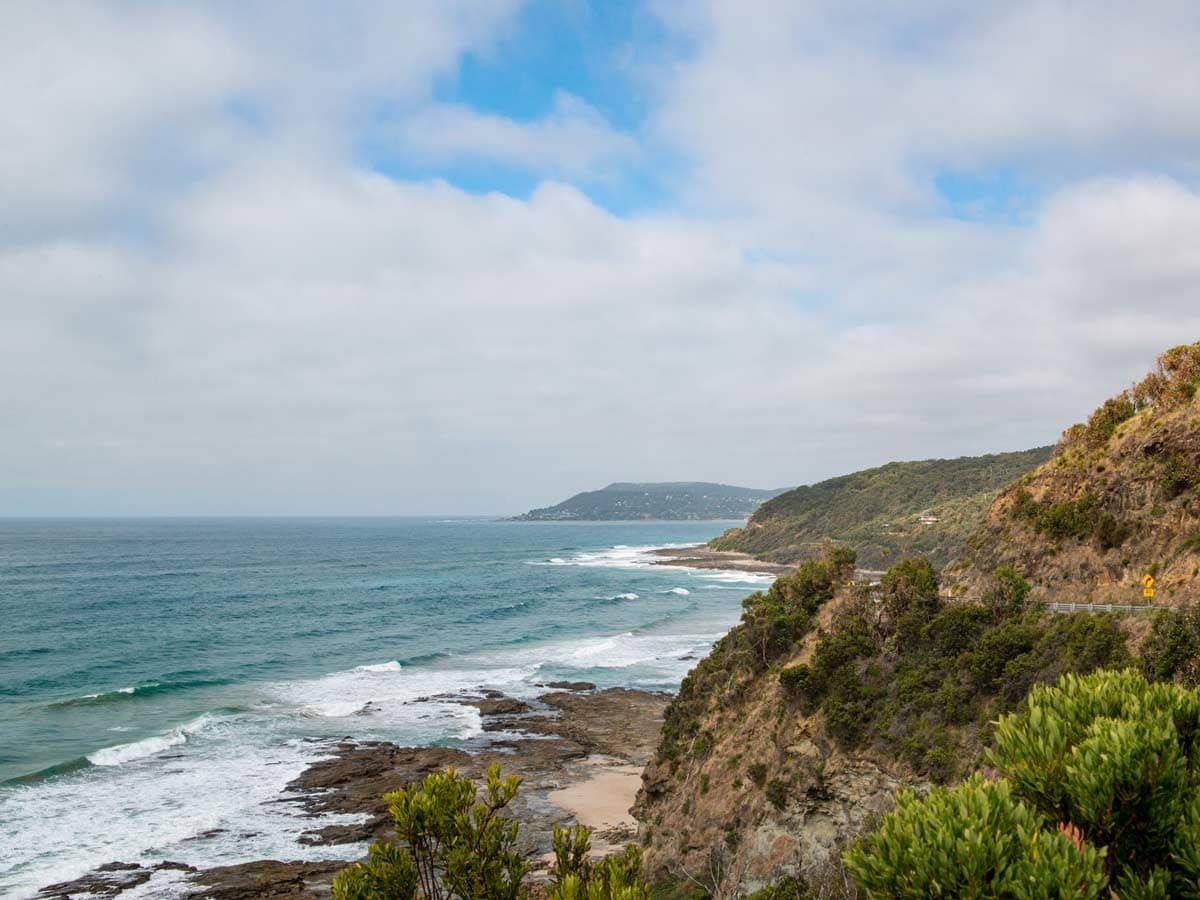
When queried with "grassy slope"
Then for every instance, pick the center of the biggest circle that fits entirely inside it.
(877, 510)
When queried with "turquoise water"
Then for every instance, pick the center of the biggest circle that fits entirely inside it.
(162, 676)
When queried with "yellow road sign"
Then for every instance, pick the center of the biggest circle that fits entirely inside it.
(1148, 581)
(1148, 593)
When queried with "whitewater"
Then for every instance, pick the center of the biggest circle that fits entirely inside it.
(162, 681)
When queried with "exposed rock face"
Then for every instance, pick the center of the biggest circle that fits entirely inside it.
(763, 793)
(1119, 499)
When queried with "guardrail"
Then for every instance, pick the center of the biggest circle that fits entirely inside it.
(1098, 607)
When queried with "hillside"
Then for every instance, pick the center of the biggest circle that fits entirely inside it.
(1119, 499)
(881, 511)
(660, 500)
(793, 735)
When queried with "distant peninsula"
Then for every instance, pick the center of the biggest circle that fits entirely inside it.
(669, 500)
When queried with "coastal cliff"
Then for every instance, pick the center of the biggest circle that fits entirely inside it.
(1119, 499)
(792, 737)
(760, 788)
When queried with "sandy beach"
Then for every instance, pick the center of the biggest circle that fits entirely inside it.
(602, 802)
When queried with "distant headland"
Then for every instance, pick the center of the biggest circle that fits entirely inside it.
(667, 500)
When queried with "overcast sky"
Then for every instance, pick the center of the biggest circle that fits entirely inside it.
(444, 256)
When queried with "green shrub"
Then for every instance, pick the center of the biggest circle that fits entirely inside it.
(1171, 652)
(1110, 532)
(1179, 475)
(909, 584)
(976, 840)
(1007, 592)
(1081, 519)
(576, 877)
(777, 793)
(757, 773)
(996, 648)
(786, 888)
(956, 628)
(1072, 518)
(837, 652)
(1099, 796)
(1024, 506)
(1115, 757)
(1104, 421)
(455, 846)
(795, 679)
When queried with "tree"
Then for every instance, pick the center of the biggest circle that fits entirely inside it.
(1007, 592)
(456, 847)
(1100, 796)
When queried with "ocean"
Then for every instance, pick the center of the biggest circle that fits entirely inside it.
(162, 679)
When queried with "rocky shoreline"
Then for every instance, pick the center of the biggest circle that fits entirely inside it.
(579, 751)
(701, 557)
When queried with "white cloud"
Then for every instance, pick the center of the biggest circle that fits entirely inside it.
(573, 139)
(89, 91)
(274, 327)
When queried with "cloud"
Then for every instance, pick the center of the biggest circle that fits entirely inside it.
(573, 140)
(250, 319)
(91, 92)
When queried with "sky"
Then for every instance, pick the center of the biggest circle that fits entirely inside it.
(456, 257)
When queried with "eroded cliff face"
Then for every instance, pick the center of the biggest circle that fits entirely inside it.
(1119, 499)
(761, 791)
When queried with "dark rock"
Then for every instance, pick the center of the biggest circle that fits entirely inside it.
(343, 834)
(110, 880)
(571, 685)
(501, 706)
(268, 878)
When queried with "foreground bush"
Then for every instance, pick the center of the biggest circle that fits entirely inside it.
(975, 840)
(455, 846)
(576, 877)
(1100, 794)
(460, 847)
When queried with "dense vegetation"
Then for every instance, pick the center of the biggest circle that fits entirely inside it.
(1083, 519)
(878, 511)
(1099, 796)
(911, 676)
(692, 500)
(455, 845)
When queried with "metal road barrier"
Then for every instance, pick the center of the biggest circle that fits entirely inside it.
(1099, 607)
